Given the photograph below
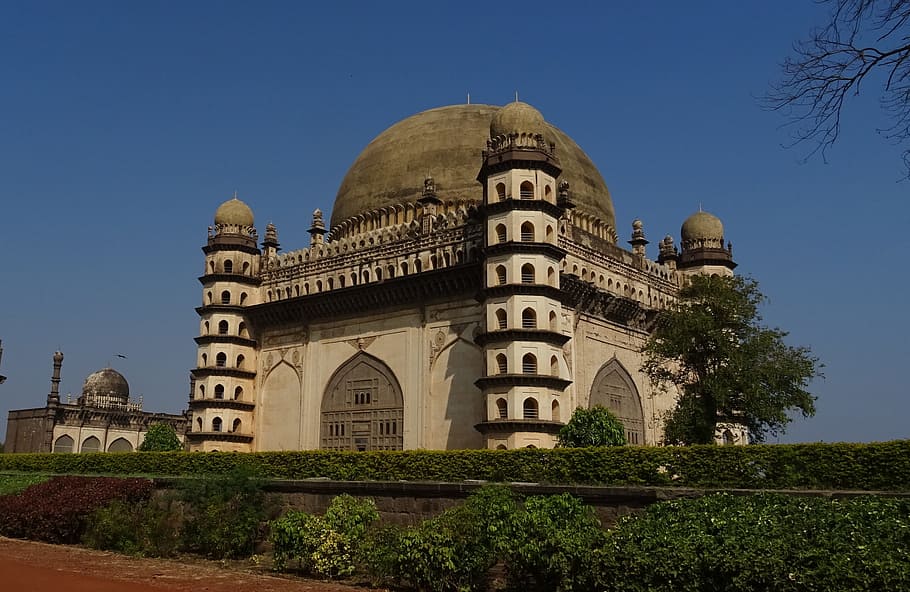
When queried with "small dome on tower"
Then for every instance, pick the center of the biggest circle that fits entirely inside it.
(702, 226)
(106, 382)
(518, 118)
(234, 211)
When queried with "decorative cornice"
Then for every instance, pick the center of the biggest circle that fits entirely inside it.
(200, 310)
(511, 380)
(414, 289)
(219, 436)
(523, 205)
(245, 247)
(586, 298)
(237, 278)
(222, 371)
(518, 158)
(536, 335)
(522, 248)
(500, 426)
(218, 338)
(210, 403)
(520, 290)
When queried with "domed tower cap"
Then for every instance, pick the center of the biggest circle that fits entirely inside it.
(517, 117)
(234, 212)
(702, 226)
(106, 382)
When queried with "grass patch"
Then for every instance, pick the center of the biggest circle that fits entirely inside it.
(15, 482)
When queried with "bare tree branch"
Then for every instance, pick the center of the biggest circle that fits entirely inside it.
(864, 42)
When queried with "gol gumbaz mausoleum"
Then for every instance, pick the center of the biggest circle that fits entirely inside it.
(468, 290)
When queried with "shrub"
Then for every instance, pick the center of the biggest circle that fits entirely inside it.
(56, 511)
(552, 545)
(325, 546)
(223, 515)
(160, 437)
(766, 542)
(149, 528)
(457, 549)
(596, 426)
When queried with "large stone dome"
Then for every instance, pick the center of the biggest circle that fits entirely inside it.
(235, 212)
(446, 143)
(702, 226)
(106, 382)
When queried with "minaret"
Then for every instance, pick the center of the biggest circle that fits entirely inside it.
(638, 242)
(317, 229)
(270, 246)
(524, 374)
(53, 402)
(223, 383)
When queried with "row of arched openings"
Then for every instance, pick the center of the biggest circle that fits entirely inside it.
(226, 297)
(221, 360)
(219, 392)
(528, 319)
(227, 266)
(528, 275)
(65, 444)
(218, 425)
(529, 409)
(224, 328)
(525, 191)
(528, 364)
(527, 233)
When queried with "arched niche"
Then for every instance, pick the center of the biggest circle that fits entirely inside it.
(63, 444)
(279, 411)
(120, 445)
(614, 389)
(363, 407)
(90, 444)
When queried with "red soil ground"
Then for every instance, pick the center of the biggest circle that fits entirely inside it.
(27, 566)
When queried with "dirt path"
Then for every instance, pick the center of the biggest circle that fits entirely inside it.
(27, 566)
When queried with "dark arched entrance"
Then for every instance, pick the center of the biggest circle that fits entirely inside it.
(363, 408)
(614, 389)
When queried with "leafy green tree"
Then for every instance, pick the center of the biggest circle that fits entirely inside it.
(160, 437)
(725, 364)
(596, 426)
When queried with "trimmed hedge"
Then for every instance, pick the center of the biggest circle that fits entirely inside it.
(881, 466)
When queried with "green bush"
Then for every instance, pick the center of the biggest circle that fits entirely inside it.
(150, 528)
(223, 515)
(766, 542)
(596, 426)
(160, 437)
(552, 545)
(456, 550)
(327, 545)
(872, 467)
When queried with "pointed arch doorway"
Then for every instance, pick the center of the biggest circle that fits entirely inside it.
(614, 389)
(363, 407)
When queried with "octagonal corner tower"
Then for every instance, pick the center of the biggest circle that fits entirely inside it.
(446, 143)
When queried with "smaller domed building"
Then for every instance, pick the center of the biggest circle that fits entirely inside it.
(102, 419)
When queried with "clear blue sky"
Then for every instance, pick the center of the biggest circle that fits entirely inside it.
(123, 125)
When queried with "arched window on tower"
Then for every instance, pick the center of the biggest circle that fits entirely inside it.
(238, 393)
(500, 274)
(528, 319)
(219, 391)
(201, 391)
(548, 193)
(502, 364)
(502, 408)
(554, 323)
(554, 366)
(501, 233)
(549, 233)
(221, 360)
(526, 190)
(551, 277)
(225, 297)
(222, 327)
(527, 232)
(240, 360)
(554, 412)
(502, 321)
(527, 274)
(216, 424)
(529, 409)
(228, 266)
(205, 360)
(501, 191)
(235, 427)
(529, 364)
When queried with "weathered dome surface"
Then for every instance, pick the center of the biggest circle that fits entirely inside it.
(517, 117)
(234, 211)
(106, 383)
(446, 143)
(702, 225)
